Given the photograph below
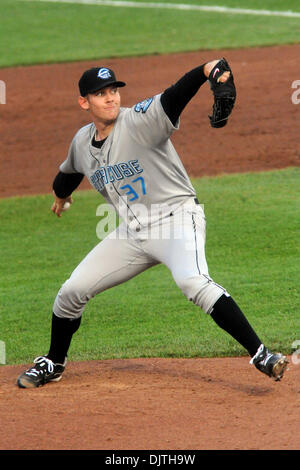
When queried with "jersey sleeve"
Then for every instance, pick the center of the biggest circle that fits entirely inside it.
(148, 123)
(69, 166)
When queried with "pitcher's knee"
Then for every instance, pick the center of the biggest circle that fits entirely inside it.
(202, 291)
(70, 300)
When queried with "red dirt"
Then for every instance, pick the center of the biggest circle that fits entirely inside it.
(142, 404)
(42, 115)
(153, 403)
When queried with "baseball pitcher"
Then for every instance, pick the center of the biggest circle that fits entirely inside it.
(128, 157)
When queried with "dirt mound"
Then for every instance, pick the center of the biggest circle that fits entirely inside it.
(152, 404)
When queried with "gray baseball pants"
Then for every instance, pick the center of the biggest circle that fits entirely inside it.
(179, 244)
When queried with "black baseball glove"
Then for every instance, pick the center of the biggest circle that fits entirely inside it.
(224, 94)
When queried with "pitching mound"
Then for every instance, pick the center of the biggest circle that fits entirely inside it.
(152, 404)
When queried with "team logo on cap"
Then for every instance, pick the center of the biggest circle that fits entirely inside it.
(104, 73)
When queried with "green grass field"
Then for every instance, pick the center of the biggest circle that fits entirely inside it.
(39, 32)
(253, 219)
(252, 249)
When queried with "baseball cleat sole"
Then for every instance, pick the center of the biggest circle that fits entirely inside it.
(24, 382)
(279, 368)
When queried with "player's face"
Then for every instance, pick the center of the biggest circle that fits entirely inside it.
(104, 105)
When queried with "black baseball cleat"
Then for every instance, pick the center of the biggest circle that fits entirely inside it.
(42, 372)
(269, 363)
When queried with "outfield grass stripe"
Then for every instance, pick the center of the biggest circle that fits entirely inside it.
(179, 6)
(43, 31)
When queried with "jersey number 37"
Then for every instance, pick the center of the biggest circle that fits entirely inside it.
(138, 186)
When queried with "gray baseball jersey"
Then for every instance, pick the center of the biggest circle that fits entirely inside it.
(139, 172)
(137, 166)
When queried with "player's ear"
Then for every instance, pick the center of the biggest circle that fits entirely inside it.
(83, 103)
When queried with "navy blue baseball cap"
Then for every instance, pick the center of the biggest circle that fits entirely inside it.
(97, 78)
